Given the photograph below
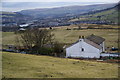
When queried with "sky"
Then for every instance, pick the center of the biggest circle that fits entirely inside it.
(60, 0)
(18, 5)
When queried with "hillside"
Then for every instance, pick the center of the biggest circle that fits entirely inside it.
(105, 16)
(13, 17)
(66, 10)
(16, 65)
(59, 16)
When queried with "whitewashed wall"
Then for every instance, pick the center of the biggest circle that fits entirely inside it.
(103, 46)
(89, 51)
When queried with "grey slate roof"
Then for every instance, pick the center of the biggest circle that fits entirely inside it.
(92, 40)
(93, 44)
(96, 39)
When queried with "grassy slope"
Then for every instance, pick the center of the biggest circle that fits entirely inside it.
(8, 14)
(107, 15)
(17, 65)
(0, 65)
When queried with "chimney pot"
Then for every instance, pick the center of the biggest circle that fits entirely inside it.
(82, 37)
(79, 37)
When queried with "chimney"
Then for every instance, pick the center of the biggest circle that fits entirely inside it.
(81, 37)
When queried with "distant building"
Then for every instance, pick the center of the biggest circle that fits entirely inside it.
(24, 25)
(89, 47)
(21, 29)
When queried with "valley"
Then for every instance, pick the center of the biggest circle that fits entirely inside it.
(62, 16)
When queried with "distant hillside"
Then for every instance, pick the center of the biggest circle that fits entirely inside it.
(105, 16)
(11, 14)
(13, 17)
(61, 11)
(62, 16)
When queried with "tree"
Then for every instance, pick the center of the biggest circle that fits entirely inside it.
(79, 27)
(35, 40)
(58, 49)
(50, 28)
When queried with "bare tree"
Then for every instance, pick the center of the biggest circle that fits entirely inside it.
(26, 39)
(35, 39)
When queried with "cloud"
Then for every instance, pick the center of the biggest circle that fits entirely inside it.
(15, 5)
(109, 1)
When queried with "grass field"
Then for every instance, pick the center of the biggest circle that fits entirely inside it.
(16, 65)
(70, 36)
(8, 38)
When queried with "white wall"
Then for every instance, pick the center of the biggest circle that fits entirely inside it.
(103, 46)
(73, 51)
(76, 50)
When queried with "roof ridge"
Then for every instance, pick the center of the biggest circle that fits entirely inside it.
(95, 39)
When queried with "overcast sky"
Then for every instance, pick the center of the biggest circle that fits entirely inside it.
(17, 5)
(60, 1)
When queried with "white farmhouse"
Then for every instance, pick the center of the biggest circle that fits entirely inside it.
(89, 47)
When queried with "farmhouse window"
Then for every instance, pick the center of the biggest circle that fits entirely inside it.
(82, 49)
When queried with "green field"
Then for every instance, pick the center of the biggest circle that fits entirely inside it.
(70, 36)
(16, 65)
(107, 15)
